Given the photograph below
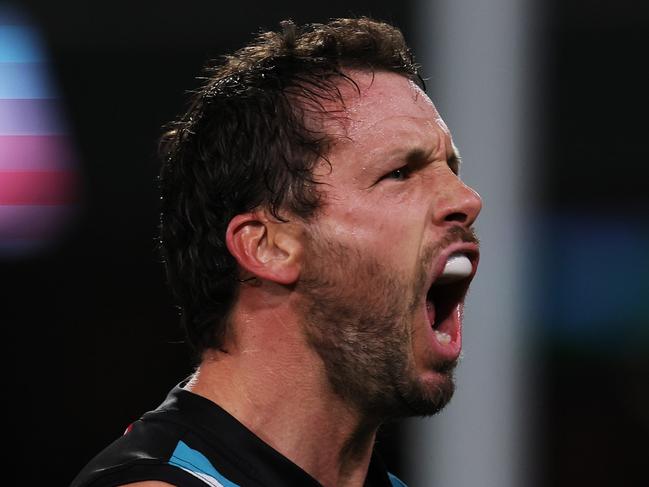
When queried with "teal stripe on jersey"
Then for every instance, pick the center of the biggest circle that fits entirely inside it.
(395, 481)
(197, 464)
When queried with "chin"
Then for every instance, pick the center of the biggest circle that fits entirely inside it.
(429, 394)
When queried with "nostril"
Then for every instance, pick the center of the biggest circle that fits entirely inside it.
(456, 217)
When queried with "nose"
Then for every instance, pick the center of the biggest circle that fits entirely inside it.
(456, 203)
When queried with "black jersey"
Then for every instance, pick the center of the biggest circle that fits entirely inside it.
(189, 441)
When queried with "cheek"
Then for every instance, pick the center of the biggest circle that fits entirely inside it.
(380, 228)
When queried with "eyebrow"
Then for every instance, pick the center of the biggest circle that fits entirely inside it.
(418, 155)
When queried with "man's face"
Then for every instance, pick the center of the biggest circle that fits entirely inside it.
(393, 211)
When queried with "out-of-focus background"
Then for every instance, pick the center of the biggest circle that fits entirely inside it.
(548, 103)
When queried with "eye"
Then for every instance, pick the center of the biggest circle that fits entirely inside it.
(398, 174)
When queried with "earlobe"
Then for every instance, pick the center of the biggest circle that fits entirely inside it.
(265, 248)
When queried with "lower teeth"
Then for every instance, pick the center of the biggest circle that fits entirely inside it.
(443, 338)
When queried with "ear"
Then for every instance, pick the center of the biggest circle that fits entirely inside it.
(264, 247)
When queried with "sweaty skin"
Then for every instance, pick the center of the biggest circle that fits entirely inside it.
(269, 374)
(395, 217)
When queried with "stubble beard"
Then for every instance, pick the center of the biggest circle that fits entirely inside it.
(359, 318)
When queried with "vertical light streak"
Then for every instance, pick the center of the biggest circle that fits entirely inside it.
(474, 54)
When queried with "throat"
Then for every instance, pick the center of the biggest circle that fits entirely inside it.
(357, 450)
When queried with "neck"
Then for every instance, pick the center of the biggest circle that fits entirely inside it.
(275, 385)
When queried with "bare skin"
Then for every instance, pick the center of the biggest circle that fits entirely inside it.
(266, 374)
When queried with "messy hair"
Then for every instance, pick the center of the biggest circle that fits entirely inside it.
(246, 142)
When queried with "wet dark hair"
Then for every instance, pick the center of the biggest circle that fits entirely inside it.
(246, 142)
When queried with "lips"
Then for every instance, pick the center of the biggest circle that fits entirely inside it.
(454, 270)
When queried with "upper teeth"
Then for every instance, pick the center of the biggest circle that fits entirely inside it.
(458, 266)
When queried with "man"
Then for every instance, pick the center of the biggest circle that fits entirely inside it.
(318, 240)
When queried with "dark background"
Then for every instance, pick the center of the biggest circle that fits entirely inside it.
(93, 335)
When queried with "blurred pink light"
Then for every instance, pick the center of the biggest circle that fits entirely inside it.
(37, 188)
(25, 228)
(35, 152)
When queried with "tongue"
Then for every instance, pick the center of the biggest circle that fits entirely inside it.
(458, 266)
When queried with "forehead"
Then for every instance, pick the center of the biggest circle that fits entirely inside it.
(387, 111)
(382, 96)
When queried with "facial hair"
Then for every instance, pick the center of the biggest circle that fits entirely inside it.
(359, 316)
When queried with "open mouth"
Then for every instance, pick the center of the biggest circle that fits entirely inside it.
(445, 298)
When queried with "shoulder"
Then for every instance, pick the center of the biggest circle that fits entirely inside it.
(142, 452)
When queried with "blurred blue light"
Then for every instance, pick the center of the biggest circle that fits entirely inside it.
(594, 276)
(25, 80)
(19, 44)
